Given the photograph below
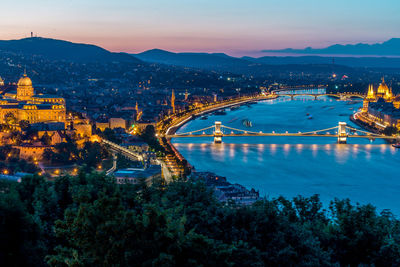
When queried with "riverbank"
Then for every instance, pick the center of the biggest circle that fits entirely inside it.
(180, 119)
(355, 118)
(169, 125)
(361, 120)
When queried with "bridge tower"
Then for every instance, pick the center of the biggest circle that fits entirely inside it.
(218, 133)
(342, 134)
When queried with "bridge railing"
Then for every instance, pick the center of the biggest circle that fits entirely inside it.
(328, 132)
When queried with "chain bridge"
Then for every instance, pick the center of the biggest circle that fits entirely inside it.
(341, 132)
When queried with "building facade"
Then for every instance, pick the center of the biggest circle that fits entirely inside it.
(382, 107)
(24, 105)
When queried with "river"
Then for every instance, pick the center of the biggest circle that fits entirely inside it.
(364, 171)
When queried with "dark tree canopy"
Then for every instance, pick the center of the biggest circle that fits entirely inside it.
(88, 220)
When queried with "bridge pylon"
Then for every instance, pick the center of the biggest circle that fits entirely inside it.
(218, 133)
(342, 133)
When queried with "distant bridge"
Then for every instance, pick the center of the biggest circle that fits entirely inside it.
(315, 92)
(340, 96)
(341, 132)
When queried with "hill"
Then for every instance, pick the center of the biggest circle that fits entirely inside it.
(216, 61)
(62, 50)
(252, 65)
(388, 48)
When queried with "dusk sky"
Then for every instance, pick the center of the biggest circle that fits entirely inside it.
(237, 27)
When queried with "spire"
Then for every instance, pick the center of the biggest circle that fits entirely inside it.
(173, 101)
(383, 79)
(371, 93)
(186, 95)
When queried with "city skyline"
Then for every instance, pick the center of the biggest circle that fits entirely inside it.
(236, 28)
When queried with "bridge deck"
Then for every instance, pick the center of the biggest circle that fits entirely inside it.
(285, 134)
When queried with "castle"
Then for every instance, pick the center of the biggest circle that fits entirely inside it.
(24, 105)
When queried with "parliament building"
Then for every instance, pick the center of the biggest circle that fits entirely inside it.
(382, 107)
(25, 105)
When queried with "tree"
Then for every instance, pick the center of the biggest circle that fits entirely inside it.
(149, 136)
(46, 139)
(10, 119)
(24, 124)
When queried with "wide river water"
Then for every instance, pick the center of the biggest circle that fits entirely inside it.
(364, 171)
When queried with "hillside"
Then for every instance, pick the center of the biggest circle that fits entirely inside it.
(252, 65)
(62, 50)
(217, 61)
(388, 48)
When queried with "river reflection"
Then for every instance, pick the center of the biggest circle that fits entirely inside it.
(363, 171)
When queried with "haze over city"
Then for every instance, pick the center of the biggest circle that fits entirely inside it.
(235, 27)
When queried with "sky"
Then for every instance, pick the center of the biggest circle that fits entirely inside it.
(236, 27)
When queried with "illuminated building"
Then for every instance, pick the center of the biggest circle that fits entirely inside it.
(24, 105)
(373, 95)
(381, 107)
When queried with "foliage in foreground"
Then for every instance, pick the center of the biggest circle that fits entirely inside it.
(90, 221)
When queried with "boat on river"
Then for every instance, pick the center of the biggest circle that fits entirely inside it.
(247, 123)
(396, 145)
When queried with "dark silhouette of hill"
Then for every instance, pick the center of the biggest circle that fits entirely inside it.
(388, 48)
(216, 61)
(62, 50)
(246, 65)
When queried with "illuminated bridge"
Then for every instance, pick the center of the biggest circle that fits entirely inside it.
(317, 93)
(341, 132)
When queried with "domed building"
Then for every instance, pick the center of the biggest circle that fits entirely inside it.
(373, 95)
(25, 105)
(383, 91)
(381, 107)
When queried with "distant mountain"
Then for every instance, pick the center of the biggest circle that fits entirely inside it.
(217, 61)
(223, 62)
(62, 50)
(388, 48)
(362, 62)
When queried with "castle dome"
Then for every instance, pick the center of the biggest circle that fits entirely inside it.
(25, 81)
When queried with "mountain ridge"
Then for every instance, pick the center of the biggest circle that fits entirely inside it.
(390, 47)
(221, 60)
(56, 49)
